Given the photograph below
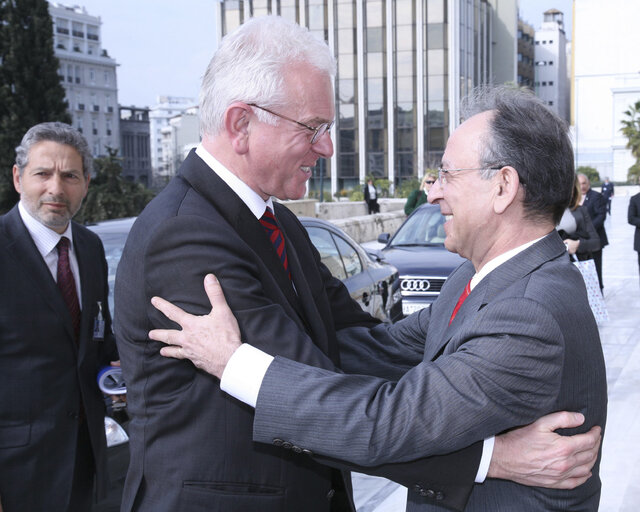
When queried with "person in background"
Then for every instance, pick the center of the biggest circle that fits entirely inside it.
(508, 338)
(633, 216)
(419, 196)
(576, 228)
(371, 197)
(55, 331)
(597, 208)
(607, 193)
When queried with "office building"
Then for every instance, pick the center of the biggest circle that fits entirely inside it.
(526, 55)
(551, 78)
(88, 76)
(403, 66)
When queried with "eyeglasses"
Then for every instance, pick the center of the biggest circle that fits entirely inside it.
(442, 173)
(430, 182)
(318, 131)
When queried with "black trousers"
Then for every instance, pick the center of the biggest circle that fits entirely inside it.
(83, 474)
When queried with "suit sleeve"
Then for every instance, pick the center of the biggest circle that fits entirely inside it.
(633, 214)
(435, 408)
(589, 239)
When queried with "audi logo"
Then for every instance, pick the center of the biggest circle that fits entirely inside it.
(415, 285)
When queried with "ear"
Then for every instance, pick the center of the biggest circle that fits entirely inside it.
(16, 179)
(236, 124)
(507, 185)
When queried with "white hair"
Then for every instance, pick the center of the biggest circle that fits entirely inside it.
(250, 66)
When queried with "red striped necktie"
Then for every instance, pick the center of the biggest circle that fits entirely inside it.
(67, 284)
(270, 226)
(463, 296)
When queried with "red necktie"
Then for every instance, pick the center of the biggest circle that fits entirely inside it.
(270, 226)
(463, 296)
(67, 284)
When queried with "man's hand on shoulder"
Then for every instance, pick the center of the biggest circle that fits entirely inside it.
(208, 341)
(535, 455)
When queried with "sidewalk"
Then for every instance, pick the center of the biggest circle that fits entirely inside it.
(620, 336)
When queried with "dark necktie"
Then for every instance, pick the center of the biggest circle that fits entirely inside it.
(270, 226)
(463, 296)
(67, 284)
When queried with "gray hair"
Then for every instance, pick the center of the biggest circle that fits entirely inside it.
(250, 66)
(527, 135)
(58, 132)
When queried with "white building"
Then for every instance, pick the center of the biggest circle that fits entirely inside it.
(551, 80)
(88, 76)
(607, 82)
(180, 135)
(159, 116)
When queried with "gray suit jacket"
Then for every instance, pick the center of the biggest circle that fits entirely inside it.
(524, 344)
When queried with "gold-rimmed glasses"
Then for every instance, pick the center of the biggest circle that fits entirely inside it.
(442, 173)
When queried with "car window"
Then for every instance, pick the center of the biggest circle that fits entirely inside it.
(425, 227)
(329, 254)
(350, 258)
(113, 246)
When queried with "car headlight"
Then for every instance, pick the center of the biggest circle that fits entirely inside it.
(114, 432)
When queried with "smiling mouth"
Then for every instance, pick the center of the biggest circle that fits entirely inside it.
(448, 217)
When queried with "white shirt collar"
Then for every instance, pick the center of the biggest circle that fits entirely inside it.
(46, 239)
(254, 202)
(499, 260)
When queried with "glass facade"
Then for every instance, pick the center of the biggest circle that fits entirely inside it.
(394, 78)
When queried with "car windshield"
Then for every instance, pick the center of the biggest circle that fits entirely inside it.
(424, 228)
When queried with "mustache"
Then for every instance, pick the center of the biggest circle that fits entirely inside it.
(55, 199)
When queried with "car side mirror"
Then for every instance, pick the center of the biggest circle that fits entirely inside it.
(383, 238)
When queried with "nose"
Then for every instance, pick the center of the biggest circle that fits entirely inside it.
(435, 192)
(324, 145)
(55, 184)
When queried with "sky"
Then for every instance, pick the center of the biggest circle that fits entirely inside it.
(163, 46)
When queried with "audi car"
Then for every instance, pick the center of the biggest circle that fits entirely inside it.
(417, 251)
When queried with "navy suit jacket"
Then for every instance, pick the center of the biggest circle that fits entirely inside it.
(48, 379)
(191, 444)
(597, 207)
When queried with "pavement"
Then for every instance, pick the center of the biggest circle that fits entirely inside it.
(620, 336)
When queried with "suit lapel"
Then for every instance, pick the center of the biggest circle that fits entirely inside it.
(208, 184)
(87, 283)
(488, 289)
(26, 254)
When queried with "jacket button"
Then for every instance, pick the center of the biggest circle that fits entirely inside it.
(430, 494)
(307, 452)
(287, 445)
(278, 442)
(331, 493)
(296, 449)
(439, 496)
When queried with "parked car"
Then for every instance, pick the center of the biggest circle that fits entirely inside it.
(417, 251)
(372, 283)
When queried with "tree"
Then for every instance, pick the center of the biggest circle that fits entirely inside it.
(589, 172)
(30, 89)
(631, 130)
(110, 196)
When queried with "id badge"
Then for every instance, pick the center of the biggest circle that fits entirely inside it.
(98, 324)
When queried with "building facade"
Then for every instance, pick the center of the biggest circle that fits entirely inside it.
(134, 145)
(403, 66)
(526, 55)
(159, 116)
(551, 78)
(606, 83)
(180, 135)
(88, 76)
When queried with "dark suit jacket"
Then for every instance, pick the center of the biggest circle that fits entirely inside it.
(633, 216)
(191, 444)
(585, 232)
(522, 345)
(46, 376)
(597, 207)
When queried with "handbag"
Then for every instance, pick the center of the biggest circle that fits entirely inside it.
(596, 301)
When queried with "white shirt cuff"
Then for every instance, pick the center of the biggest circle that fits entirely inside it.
(244, 373)
(485, 460)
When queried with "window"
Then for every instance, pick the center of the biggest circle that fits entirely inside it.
(551, 103)
(544, 83)
(550, 82)
(550, 63)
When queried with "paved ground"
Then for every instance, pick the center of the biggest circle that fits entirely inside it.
(620, 337)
